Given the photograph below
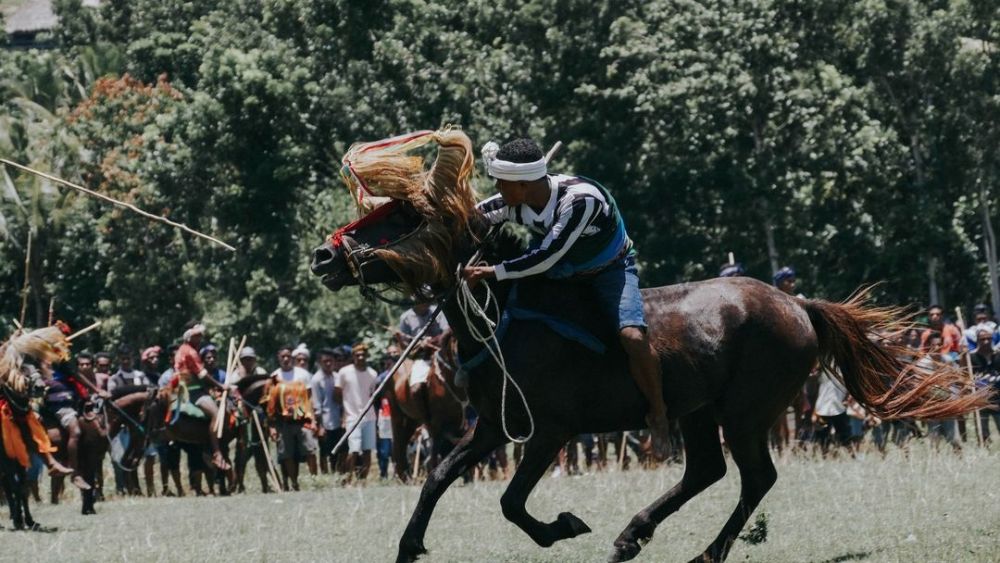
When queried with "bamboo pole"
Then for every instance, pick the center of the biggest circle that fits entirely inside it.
(27, 280)
(553, 151)
(267, 451)
(230, 366)
(84, 331)
(114, 201)
(972, 376)
(52, 311)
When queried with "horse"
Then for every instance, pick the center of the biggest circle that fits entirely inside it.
(91, 448)
(441, 408)
(13, 475)
(733, 351)
(151, 409)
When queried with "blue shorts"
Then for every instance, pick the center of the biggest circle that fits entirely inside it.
(618, 296)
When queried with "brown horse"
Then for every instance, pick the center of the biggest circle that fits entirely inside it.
(734, 352)
(439, 406)
(152, 408)
(91, 449)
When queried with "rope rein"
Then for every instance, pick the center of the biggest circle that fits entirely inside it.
(470, 308)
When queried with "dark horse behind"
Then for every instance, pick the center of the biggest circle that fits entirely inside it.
(734, 353)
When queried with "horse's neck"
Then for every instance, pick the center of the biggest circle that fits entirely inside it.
(468, 346)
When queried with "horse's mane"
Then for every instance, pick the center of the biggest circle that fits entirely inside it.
(442, 195)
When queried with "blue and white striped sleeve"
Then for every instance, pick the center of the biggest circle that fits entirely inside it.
(494, 210)
(574, 216)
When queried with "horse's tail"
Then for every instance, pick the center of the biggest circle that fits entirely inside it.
(859, 340)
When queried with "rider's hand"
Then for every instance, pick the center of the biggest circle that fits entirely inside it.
(473, 274)
(103, 394)
(273, 433)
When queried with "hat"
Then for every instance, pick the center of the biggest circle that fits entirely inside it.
(731, 270)
(196, 329)
(783, 274)
(206, 349)
(981, 308)
(300, 350)
(359, 347)
(248, 352)
(148, 353)
(342, 351)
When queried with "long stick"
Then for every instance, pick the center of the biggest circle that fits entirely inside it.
(552, 152)
(267, 450)
(378, 390)
(27, 280)
(621, 451)
(230, 366)
(52, 311)
(84, 331)
(114, 201)
(972, 376)
(416, 456)
(225, 392)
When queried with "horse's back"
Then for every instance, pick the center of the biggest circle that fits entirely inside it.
(723, 338)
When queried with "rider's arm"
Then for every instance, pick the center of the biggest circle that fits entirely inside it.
(494, 210)
(574, 216)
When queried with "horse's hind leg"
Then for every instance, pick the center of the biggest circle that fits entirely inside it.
(757, 476)
(703, 466)
(538, 455)
(474, 446)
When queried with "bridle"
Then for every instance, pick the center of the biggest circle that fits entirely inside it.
(358, 255)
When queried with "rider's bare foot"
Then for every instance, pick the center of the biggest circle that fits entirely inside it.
(219, 462)
(80, 483)
(57, 469)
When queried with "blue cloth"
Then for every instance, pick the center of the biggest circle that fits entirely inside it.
(618, 296)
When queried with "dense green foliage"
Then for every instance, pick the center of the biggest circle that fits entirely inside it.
(855, 141)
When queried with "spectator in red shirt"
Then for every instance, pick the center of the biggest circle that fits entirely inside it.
(189, 370)
(951, 337)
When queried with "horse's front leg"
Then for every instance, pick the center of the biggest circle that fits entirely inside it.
(538, 455)
(476, 444)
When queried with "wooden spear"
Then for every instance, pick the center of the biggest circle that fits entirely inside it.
(267, 450)
(114, 201)
(552, 152)
(972, 375)
(83, 331)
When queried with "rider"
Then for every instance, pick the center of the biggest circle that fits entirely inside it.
(584, 233)
(189, 370)
(65, 395)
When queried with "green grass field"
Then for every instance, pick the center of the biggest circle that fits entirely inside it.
(932, 506)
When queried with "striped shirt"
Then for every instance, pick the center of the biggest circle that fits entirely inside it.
(580, 225)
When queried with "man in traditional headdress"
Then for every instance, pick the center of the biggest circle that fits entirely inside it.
(22, 430)
(189, 370)
(582, 233)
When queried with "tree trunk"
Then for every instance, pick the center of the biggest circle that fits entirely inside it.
(932, 287)
(772, 249)
(990, 248)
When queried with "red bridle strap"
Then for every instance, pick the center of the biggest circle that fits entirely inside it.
(337, 238)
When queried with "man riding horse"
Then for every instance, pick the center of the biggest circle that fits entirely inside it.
(583, 236)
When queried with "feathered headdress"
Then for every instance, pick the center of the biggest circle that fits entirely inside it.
(44, 344)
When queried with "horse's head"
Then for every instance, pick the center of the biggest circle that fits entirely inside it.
(429, 222)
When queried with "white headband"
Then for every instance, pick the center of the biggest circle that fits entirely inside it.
(512, 171)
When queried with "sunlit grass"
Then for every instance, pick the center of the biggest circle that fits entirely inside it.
(929, 506)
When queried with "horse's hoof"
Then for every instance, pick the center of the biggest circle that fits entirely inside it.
(624, 552)
(410, 550)
(573, 525)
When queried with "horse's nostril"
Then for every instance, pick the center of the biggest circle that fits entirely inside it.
(321, 256)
